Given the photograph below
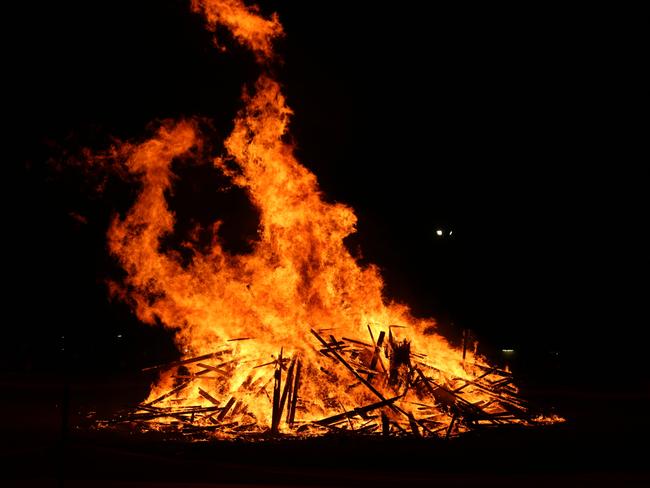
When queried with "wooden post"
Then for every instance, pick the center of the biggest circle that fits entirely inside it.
(414, 426)
(372, 337)
(385, 425)
(288, 385)
(375, 355)
(277, 384)
(451, 426)
(291, 413)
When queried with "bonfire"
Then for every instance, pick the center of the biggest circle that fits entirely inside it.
(294, 337)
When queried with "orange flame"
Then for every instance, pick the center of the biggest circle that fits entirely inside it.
(249, 28)
(299, 275)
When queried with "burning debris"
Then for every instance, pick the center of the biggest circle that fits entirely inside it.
(279, 375)
(404, 395)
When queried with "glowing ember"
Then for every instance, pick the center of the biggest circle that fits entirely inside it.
(294, 336)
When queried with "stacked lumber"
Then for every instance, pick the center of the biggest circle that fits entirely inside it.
(409, 396)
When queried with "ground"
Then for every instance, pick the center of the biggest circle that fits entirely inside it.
(599, 445)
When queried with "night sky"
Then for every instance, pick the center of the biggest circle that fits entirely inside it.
(512, 128)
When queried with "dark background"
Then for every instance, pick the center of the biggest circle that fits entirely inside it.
(512, 128)
(516, 128)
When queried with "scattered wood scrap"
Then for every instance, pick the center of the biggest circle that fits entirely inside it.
(396, 392)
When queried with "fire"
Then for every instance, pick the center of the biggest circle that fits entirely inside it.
(245, 24)
(297, 326)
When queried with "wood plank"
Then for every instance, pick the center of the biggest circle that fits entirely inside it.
(500, 372)
(372, 337)
(385, 425)
(451, 426)
(291, 414)
(354, 341)
(347, 418)
(288, 385)
(357, 375)
(216, 369)
(240, 407)
(360, 411)
(334, 345)
(277, 384)
(265, 364)
(422, 423)
(473, 380)
(211, 355)
(414, 426)
(208, 397)
(180, 387)
(223, 413)
(194, 377)
(440, 394)
(326, 350)
(376, 354)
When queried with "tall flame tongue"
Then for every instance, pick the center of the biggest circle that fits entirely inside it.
(299, 276)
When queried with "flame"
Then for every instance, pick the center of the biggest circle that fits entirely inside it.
(245, 24)
(299, 275)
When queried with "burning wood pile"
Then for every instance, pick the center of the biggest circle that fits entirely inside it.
(277, 376)
(411, 397)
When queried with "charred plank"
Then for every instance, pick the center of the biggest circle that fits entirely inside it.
(360, 411)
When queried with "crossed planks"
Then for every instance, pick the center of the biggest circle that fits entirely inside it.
(388, 415)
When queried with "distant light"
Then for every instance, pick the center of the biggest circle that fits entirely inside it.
(119, 336)
(507, 350)
(439, 232)
(451, 232)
